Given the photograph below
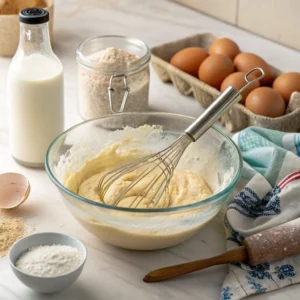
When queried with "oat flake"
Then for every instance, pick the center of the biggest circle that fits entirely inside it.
(11, 230)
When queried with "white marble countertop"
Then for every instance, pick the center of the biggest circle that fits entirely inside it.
(110, 272)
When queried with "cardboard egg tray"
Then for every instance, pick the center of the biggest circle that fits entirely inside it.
(238, 117)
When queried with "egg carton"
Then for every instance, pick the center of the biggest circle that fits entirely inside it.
(238, 117)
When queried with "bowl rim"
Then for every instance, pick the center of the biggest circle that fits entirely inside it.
(202, 203)
(15, 244)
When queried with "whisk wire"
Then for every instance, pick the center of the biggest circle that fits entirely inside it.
(161, 165)
(150, 186)
(141, 176)
(119, 171)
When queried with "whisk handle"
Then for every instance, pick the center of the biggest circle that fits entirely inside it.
(229, 97)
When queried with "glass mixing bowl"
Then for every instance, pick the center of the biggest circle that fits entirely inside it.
(214, 156)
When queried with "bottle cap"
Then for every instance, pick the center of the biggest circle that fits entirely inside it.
(34, 16)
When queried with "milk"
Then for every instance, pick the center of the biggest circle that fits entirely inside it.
(36, 107)
(34, 91)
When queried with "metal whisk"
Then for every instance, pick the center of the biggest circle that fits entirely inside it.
(148, 177)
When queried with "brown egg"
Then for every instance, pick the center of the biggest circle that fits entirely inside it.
(286, 84)
(244, 62)
(189, 59)
(237, 80)
(215, 69)
(265, 101)
(225, 47)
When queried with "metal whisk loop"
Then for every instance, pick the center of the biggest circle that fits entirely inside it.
(158, 168)
(250, 81)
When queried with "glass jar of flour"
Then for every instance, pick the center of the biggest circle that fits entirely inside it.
(113, 76)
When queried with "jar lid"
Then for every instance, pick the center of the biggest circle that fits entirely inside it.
(34, 16)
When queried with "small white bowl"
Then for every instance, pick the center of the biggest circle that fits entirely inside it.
(46, 284)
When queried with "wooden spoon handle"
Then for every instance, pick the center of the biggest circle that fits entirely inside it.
(235, 255)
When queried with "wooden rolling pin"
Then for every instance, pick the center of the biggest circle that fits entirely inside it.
(267, 246)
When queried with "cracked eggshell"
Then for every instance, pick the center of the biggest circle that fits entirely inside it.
(14, 190)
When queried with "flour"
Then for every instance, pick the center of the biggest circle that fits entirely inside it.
(93, 83)
(112, 57)
(49, 261)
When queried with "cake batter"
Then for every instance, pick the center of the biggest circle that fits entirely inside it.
(185, 186)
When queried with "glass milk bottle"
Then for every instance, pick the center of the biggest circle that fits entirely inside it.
(35, 91)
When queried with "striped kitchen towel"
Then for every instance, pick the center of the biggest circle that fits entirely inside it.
(269, 195)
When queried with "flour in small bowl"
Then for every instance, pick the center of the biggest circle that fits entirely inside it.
(49, 260)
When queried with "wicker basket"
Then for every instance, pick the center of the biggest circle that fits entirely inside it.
(239, 116)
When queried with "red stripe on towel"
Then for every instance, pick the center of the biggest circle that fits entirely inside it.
(288, 179)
